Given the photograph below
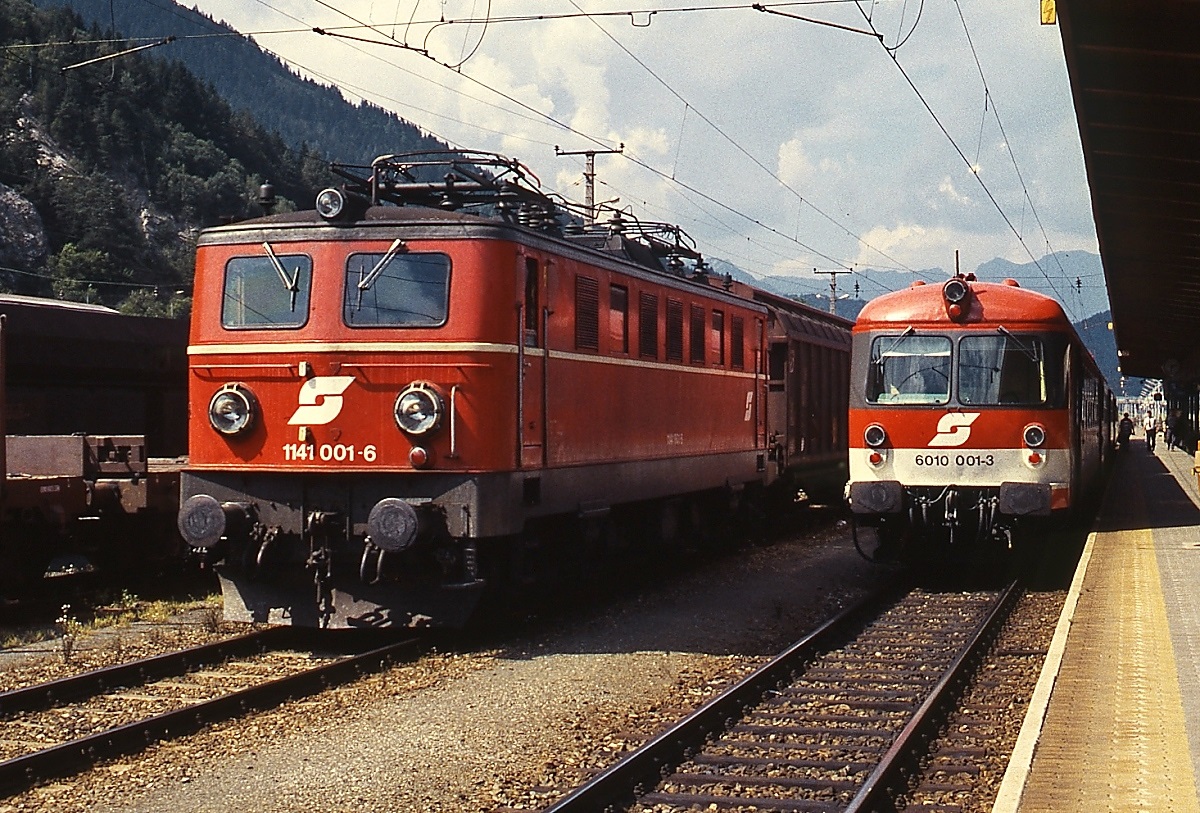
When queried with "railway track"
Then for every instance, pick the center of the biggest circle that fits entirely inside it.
(59, 728)
(836, 723)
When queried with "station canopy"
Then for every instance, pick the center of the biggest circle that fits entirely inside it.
(1134, 70)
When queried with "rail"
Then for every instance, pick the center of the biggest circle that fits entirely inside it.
(879, 764)
(79, 754)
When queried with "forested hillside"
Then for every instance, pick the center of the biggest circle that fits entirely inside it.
(108, 170)
(305, 113)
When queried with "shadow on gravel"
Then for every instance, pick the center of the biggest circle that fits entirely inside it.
(755, 600)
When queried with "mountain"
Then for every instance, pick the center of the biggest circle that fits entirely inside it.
(1074, 278)
(1099, 338)
(305, 114)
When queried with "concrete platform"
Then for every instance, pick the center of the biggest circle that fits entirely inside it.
(1114, 724)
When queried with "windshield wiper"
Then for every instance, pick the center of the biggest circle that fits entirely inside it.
(893, 345)
(291, 285)
(365, 282)
(1033, 354)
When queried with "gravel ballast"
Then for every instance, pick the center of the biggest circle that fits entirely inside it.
(509, 727)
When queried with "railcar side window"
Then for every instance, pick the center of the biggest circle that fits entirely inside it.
(718, 338)
(267, 291)
(1004, 369)
(909, 370)
(395, 289)
(618, 318)
(532, 311)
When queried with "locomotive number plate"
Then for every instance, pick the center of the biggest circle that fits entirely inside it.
(958, 460)
(329, 453)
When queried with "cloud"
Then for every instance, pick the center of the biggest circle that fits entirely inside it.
(795, 168)
(947, 191)
(734, 102)
(909, 244)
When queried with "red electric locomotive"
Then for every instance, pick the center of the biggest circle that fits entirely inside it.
(397, 403)
(976, 409)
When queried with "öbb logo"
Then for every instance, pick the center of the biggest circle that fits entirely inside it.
(954, 428)
(321, 400)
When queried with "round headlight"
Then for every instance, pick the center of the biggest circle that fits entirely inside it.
(419, 408)
(955, 291)
(874, 436)
(232, 409)
(330, 203)
(1035, 435)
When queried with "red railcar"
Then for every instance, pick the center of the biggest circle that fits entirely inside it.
(975, 408)
(396, 406)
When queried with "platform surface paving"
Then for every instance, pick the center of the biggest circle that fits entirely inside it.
(1115, 722)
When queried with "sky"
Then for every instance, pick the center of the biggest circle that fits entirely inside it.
(875, 137)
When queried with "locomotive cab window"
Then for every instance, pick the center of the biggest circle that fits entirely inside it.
(1002, 369)
(269, 291)
(395, 289)
(909, 370)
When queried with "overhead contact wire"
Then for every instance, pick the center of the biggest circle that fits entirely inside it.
(995, 203)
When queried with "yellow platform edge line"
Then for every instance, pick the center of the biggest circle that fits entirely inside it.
(1012, 786)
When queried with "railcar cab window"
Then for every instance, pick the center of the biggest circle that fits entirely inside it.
(1002, 369)
(909, 369)
(397, 289)
(267, 291)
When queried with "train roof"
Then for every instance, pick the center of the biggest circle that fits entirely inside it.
(38, 320)
(613, 242)
(474, 191)
(990, 303)
(20, 301)
(374, 215)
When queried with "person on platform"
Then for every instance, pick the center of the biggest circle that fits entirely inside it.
(1124, 431)
(1151, 425)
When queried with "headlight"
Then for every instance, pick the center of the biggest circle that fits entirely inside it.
(955, 291)
(1035, 435)
(233, 409)
(330, 203)
(419, 408)
(874, 436)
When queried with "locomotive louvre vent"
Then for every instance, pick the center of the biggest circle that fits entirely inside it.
(648, 325)
(674, 330)
(587, 313)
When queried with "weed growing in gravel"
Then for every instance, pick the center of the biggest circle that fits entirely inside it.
(69, 628)
(122, 611)
(211, 619)
(127, 608)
